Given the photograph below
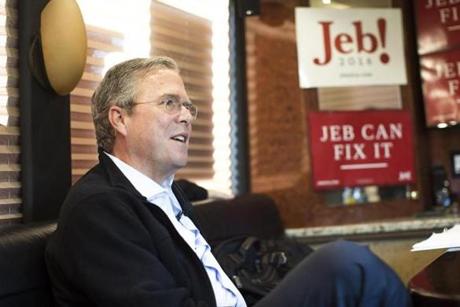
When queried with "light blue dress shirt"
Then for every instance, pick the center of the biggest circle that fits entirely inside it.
(162, 196)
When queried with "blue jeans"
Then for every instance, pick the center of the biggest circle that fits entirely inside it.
(339, 274)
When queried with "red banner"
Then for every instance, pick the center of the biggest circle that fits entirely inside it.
(441, 87)
(361, 148)
(438, 25)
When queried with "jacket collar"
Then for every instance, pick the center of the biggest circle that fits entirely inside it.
(115, 176)
(117, 179)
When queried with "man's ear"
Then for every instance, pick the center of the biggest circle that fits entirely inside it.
(117, 118)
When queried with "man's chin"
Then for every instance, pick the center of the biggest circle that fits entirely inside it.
(180, 163)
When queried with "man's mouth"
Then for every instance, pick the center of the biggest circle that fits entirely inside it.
(180, 138)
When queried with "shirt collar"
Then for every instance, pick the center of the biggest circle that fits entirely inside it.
(143, 184)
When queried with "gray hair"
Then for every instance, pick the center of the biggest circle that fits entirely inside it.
(118, 88)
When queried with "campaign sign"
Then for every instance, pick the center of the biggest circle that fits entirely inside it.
(349, 47)
(441, 87)
(438, 25)
(359, 148)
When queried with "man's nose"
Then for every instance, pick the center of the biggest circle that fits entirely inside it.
(185, 115)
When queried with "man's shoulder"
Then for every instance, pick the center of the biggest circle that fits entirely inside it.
(95, 187)
(92, 183)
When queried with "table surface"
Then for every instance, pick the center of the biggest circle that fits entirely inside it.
(416, 226)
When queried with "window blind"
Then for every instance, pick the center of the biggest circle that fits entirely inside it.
(101, 42)
(175, 33)
(10, 168)
(187, 38)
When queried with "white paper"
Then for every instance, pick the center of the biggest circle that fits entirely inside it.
(448, 239)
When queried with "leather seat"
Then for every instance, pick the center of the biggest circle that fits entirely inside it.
(24, 280)
(245, 215)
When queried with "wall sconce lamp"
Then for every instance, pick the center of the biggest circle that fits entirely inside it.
(57, 56)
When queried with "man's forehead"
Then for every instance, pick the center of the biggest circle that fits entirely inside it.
(163, 76)
(162, 83)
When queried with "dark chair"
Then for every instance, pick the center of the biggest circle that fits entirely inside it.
(246, 215)
(24, 280)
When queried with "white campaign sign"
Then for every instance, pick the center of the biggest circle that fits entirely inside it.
(349, 47)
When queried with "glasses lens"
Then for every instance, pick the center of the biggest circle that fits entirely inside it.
(171, 105)
(191, 108)
(194, 111)
(174, 106)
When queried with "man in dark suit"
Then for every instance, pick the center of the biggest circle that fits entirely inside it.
(126, 235)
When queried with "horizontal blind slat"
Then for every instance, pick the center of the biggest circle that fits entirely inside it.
(83, 141)
(10, 150)
(11, 216)
(10, 167)
(182, 38)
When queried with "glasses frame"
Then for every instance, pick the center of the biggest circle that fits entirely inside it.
(173, 108)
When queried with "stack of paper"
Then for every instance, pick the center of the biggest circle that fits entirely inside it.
(448, 239)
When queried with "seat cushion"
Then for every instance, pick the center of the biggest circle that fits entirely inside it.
(24, 279)
(246, 215)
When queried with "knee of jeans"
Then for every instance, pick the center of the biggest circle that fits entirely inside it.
(345, 247)
(344, 253)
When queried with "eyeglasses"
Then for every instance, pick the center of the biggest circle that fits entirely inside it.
(172, 105)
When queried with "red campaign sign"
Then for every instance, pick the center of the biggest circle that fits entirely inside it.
(441, 87)
(361, 148)
(438, 25)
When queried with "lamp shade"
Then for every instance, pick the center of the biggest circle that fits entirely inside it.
(63, 43)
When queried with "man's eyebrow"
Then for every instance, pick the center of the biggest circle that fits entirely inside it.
(175, 96)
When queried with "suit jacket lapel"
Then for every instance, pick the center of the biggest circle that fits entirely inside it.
(116, 178)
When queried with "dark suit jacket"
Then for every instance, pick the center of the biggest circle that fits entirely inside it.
(114, 248)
